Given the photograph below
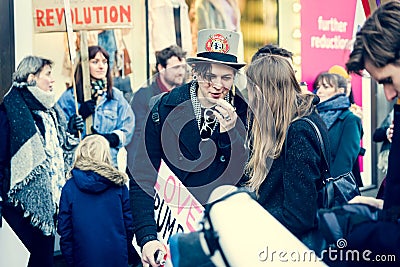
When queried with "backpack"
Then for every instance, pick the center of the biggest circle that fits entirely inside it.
(154, 105)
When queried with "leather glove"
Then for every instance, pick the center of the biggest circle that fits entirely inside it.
(75, 124)
(87, 108)
(112, 138)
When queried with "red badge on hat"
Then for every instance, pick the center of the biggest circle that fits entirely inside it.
(217, 43)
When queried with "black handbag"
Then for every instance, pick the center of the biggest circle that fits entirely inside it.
(333, 191)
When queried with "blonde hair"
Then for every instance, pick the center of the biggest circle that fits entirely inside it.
(275, 100)
(94, 148)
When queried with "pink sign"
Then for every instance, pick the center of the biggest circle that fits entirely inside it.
(176, 210)
(326, 35)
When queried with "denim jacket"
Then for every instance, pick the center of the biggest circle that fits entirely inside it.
(111, 116)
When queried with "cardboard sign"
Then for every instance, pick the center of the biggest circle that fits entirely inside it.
(176, 210)
(48, 15)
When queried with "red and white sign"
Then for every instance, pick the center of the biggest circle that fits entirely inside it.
(176, 209)
(48, 15)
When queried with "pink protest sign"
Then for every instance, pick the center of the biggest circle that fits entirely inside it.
(176, 210)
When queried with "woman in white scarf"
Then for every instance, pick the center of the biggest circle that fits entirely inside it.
(36, 153)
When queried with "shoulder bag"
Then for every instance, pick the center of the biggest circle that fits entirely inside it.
(333, 191)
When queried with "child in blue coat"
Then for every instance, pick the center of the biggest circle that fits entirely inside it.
(95, 220)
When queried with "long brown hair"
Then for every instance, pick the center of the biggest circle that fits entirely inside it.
(275, 100)
(93, 50)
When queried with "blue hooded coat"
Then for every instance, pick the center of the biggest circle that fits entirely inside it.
(95, 221)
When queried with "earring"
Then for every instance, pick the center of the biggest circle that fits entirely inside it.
(194, 77)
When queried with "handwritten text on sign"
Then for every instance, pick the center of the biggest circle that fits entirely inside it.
(175, 208)
(48, 15)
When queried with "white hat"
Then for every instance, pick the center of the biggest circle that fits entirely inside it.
(217, 46)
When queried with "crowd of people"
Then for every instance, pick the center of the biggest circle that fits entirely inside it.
(58, 158)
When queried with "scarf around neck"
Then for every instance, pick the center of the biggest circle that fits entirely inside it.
(31, 176)
(332, 108)
(46, 99)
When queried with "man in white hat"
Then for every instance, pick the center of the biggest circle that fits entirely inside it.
(197, 129)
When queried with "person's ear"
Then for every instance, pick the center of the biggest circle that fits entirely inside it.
(341, 90)
(160, 68)
(31, 80)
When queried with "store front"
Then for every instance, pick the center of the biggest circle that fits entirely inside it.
(291, 23)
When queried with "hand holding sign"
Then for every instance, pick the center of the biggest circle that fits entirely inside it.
(149, 252)
(175, 211)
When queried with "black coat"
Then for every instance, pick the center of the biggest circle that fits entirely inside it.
(289, 192)
(141, 109)
(196, 163)
(4, 155)
(383, 238)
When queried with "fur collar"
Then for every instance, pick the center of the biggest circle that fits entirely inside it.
(103, 169)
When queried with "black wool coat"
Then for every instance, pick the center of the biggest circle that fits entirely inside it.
(382, 237)
(200, 165)
(289, 192)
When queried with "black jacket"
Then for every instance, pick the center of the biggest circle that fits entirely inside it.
(196, 163)
(140, 107)
(382, 237)
(380, 133)
(289, 192)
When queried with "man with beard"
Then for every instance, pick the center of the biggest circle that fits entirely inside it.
(170, 73)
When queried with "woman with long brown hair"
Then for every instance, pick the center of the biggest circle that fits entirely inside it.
(286, 157)
(113, 117)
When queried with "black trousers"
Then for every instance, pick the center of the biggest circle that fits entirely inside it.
(41, 247)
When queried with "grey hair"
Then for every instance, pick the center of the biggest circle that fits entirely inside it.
(30, 65)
